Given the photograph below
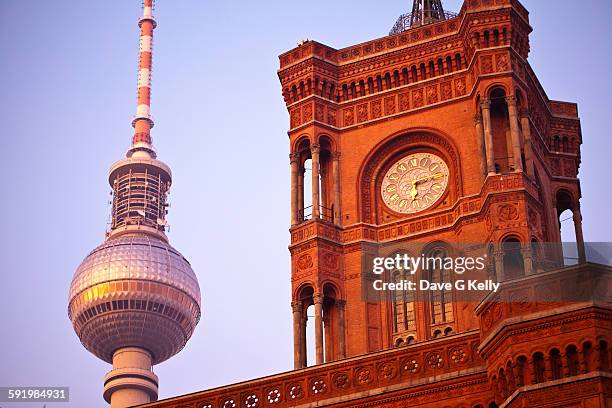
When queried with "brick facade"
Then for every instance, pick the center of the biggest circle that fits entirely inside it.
(462, 89)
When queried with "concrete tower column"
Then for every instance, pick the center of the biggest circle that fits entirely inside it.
(314, 151)
(485, 107)
(294, 188)
(480, 143)
(577, 216)
(514, 133)
(131, 381)
(336, 190)
(341, 304)
(318, 304)
(297, 335)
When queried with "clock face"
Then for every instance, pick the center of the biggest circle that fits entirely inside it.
(414, 183)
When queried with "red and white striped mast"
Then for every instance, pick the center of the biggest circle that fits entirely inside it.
(142, 123)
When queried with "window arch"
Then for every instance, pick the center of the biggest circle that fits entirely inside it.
(539, 368)
(403, 305)
(441, 310)
(556, 364)
(514, 266)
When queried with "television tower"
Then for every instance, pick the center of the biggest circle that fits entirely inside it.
(134, 300)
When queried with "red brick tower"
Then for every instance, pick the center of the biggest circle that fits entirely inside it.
(437, 139)
(457, 90)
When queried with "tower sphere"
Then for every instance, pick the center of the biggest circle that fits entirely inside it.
(134, 301)
(134, 290)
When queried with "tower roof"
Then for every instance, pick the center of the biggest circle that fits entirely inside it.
(423, 12)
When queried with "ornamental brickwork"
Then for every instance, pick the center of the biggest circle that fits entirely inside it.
(459, 90)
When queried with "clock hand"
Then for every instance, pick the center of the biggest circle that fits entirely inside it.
(413, 191)
(432, 176)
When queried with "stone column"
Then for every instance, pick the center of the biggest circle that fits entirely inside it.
(526, 127)
(485, 107)
(327, 330)
(324, 194)
(318, 304)
(527, 259)
(314, 151)
(480, 143)
(303, 341)
(577, 216)
(300, 192)
(297, 335)
(341, 305)
(499, 265)
(514, 133)
(294, 188)
(336, 190)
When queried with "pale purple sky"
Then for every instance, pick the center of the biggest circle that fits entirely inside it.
(67, 96)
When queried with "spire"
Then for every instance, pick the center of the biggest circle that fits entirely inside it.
(426, 12)
(142, 122)
(140, 182)
(423, 12)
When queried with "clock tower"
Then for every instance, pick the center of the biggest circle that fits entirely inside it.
(437, 135)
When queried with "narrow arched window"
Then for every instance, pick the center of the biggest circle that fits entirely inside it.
(556, 364)
(573, 364)
(538, 368)
(440, 299)
(403, 305)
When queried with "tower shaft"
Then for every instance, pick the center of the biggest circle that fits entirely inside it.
(142, 121)
(140, 182)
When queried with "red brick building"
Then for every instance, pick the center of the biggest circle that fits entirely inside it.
(455, 96)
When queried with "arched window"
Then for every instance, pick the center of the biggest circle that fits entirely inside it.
(440, 299)
(404, 319)
(565, 213)
(565, 145)
(573, 365)
(500, 128)
(513, 259)
(423, 72)
(521, 369)
(538, 368)
(413, 74)
(556, 364)
(604, 359)
(458, 61)
(587, 355)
